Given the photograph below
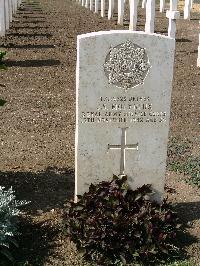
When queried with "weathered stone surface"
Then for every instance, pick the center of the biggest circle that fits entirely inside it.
(133, 14)
(120, 19)
(2, 18)
(124, 82)
(172, 15)
(187, 8)
(150, 16)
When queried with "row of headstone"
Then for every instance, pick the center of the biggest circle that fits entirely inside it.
(7, 9)
(172, 14)
(187, 7)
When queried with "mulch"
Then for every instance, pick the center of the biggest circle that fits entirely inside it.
(38, 121)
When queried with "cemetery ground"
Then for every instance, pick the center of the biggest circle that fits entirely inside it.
(38, 122)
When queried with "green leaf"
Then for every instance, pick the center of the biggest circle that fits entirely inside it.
(138, 197)
(92, 188)
(3, 67)
(123, 259)
(164, 250)
(136, 254)
(2, 102)
(79, 197)
(14, 242)
(115, 177)
(7, 254)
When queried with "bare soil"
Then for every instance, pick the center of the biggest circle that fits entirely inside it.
(38, 121)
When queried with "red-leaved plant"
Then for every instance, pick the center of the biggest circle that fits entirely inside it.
(113, 223)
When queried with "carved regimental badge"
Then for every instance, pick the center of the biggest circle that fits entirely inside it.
(126, 65)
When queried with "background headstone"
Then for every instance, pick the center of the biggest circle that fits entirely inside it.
(91, 5)
(133, 14)
(198, 55)
(2, 18)
(120, 19)
(173, 14)
(103, 8)
(111, 6)
(187, 8)
(150, 16)
(162, 6)
(96, 2)
(7, 18)
(144, 3)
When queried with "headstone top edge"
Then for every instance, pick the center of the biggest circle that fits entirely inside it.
(127, 32)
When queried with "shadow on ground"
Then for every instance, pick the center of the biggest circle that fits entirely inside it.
(29, 35)
(32, 63)
(40, 227)
(36, 240)
(27, 12)
(45, 190)
(28, 46)
(29, 9)
(183, 40)
(41, 234)
(29, 27)
(188, 211)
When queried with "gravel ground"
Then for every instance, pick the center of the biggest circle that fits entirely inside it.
(38, 121)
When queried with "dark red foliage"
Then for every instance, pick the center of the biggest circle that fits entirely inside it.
(112, 222)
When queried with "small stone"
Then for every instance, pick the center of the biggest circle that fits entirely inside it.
(40, 212)
(146, 197)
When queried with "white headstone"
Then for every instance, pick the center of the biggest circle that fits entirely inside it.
(198, 56)
(2, 18)
(83, 3)
(10, 9)
(144, 3)
(162, 6)
(133, 14)
(111, 9)
(172, 15)
(103, 8)
(92, 5)
(19, 2)
(7, 16)
(96, 8)
(173, 5)
(87, 3)
(187, 8)
(120, 12)
(14, 5)
(150, 16)
(124, 82)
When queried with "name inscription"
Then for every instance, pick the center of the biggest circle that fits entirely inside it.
(124, 110)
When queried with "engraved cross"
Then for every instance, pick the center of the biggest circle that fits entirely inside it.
(123, 147)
